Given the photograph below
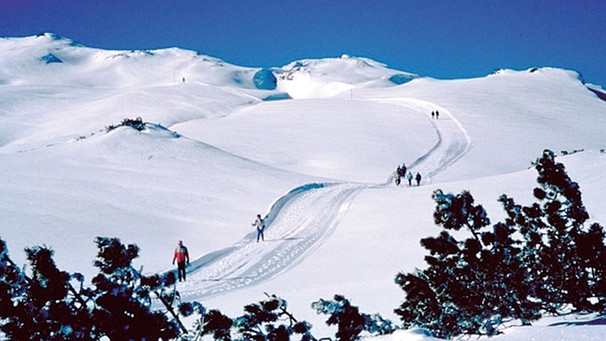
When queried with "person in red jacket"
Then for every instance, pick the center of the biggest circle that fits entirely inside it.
(182, 258)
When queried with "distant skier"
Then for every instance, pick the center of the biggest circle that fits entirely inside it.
(396, 176)
(182, 258)
(409, 178)
(259, 223)
(433, 114)
(437, 114)
(403, 169)
(418, 178)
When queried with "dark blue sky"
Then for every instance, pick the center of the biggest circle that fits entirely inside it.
(441, 39)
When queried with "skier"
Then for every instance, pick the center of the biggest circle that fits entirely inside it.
(403, 169)
(418, 178)
(259, 223)
(437, 114)
(396, 176)
(182, 257)
(409, 177)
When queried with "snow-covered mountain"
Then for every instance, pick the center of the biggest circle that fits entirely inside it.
(320, 78)
(312, 145)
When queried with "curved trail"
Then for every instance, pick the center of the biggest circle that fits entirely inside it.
(297, 223)
(453, 140)
(302, 219)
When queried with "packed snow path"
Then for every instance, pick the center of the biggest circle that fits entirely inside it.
(453, 140)
(296, 224)
(299, 221)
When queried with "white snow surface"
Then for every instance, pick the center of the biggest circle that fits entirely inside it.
(319, 167)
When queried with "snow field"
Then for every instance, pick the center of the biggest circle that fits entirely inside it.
(215, 154)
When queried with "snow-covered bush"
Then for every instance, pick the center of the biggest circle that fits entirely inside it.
(542, 258)
(261, 321)
(43, 306)
(46, 306)
(123, 297)
(136, 123)
(120, 304)
(564, 256)
(471, 284)
(349, 320)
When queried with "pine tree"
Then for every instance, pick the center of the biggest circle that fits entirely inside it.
(556, 242)
(46, 306)
(349, 320)
(592, 248)
(122, 309)
(118, 305)
(218, 325)
(470, 285)
(12, 288)
(542, 257)
(510, 291)
(259, 322)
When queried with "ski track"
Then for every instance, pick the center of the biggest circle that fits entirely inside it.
(302, 219)
(293, 229)
(453, 139)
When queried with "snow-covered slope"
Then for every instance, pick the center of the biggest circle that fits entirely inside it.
(511, 116)
(318, 78)
(215, 153)
(48, 59)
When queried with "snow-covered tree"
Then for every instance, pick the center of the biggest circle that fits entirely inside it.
(119, 304)
(541, 258)
(259, 323)
(47, 306)
(122, 296)
(267, 320)
(559, 249)
(43, 306)
(217, 325)
(467, 286)
(349, 320)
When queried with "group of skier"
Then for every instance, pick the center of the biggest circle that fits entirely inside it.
(401, 172)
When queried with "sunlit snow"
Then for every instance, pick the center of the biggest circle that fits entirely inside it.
(319, 166)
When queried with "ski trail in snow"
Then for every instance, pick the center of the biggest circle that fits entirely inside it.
(453, 139)
(302, 219)
(296, 224)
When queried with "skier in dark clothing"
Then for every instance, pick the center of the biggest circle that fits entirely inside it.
(182, 257)
(259, 223)
(418, 178)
